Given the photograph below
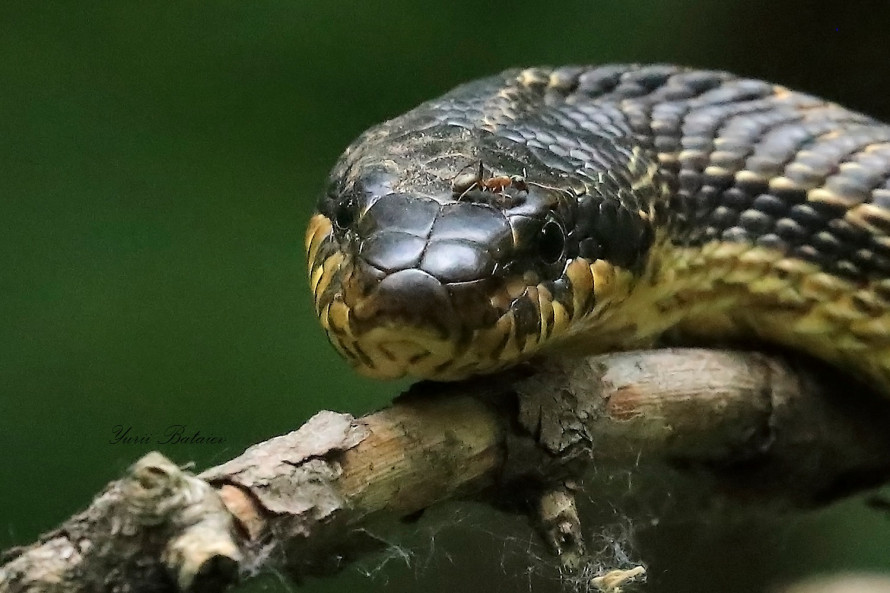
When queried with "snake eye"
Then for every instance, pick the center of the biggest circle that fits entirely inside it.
(552, 242)
(344, 213)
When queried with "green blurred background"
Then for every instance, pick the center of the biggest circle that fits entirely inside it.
(159, 162)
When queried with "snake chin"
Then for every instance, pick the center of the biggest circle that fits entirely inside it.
(385, 336)
(405, 326)
(392, 351)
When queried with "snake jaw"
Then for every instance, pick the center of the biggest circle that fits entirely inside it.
(386, 325)
(408, 323)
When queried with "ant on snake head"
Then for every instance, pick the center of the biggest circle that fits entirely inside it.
(466, 181)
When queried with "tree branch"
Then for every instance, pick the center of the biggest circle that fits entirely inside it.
(751, 425)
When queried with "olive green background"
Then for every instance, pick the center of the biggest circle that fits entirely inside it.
(159, 162)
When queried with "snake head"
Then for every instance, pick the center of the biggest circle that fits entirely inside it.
(442, 251)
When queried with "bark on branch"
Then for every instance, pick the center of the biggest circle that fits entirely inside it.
(753, 425)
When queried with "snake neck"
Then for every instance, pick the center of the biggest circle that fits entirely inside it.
(723, 292)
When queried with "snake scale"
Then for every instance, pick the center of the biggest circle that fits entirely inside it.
(587, 209)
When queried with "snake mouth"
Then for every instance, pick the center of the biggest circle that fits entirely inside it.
(403, 324)
(386, 326)
(410, 323)
(406, 324)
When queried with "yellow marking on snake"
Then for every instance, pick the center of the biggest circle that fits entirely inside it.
(697, 290)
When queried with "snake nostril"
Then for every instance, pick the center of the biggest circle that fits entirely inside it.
(344, 213)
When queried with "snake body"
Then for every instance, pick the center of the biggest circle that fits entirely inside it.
(587, 209)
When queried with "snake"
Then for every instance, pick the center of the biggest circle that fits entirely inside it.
(560, 211)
